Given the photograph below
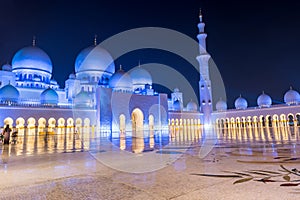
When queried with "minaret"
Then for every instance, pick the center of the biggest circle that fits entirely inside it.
(95, 40)
(204, 83)
(33, 41)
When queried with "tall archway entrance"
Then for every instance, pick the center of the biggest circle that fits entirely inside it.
(137, 118)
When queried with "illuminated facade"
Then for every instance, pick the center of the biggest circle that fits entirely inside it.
(95, 96)
(104, 98)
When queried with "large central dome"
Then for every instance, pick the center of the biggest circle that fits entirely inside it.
(32, 58)
(94, 58)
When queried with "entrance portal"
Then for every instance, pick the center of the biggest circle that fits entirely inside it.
(137, 118)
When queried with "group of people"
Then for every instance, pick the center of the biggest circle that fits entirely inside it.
(5, 135)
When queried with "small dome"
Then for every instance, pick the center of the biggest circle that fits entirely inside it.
(7, 67)
(264, 100)
(94, 58)
(140, 77)
(49, 96)
(241, 103)
(33, 58)
(72, 76)
(221, 105)
(121, 81)
(83, 99)
(176, 90)
(9, 93)
(177, 105)
(192, 106)
(291, 97)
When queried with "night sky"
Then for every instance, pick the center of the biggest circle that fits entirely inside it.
(254, 44)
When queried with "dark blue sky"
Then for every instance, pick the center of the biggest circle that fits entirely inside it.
(254, 44)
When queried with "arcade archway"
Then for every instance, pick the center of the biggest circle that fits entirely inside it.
(137, 118)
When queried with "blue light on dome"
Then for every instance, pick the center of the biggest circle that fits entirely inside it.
(94, 58)
(121, 81)
(33, 58)
(140, 77)
(241, 103)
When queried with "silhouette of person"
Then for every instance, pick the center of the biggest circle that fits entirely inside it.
(7, 131)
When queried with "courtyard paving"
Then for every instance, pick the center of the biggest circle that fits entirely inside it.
(231, 170)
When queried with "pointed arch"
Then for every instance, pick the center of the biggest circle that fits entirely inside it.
(70, 122)
(122, 120)
(8, 121)
(137, 118)
(86, 122)
(61, 122)
(151, 122)
(31, 122)
(20, 122)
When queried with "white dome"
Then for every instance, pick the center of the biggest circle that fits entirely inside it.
(192, 106)
(121, 81)
(140, 77)
(7, 67)
(264, 100)
(9, 93)
(72, 76)
(49, 96)
(83, 99)
(291, 97)
(221, 105)
(33, 58)
(241, 103)
(176, 90)
(94, 58)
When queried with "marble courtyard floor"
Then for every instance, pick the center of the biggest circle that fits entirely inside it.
(230, 170)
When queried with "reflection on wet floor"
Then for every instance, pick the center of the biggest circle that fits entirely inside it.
(267, 140)
(31, 141)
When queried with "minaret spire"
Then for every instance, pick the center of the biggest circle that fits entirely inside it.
(95, 40)
(200, 15)
(33, 41)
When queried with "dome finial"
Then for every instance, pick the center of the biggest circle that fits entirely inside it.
(263, 92)
(33, 41)
(120, 67)
(139, 63)
(200, 15)
(291, 87)
(95, 40)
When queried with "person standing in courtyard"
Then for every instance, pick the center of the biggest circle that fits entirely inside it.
(7, 131)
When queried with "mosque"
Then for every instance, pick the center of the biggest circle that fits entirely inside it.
(108, 99)
(97, 95)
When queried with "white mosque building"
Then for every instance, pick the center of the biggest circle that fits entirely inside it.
(100, 96)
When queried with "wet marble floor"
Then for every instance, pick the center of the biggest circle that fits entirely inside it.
(199, 169)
